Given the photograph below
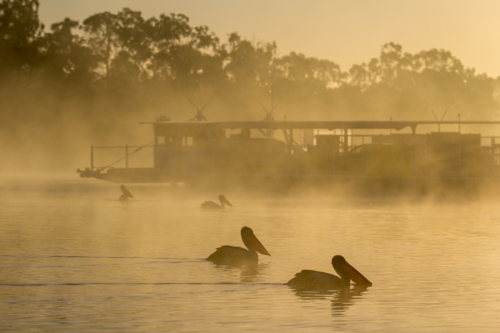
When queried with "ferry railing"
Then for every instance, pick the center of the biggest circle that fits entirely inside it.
(365, 138)
(353, 141)
(492, 141)
(128, 151)
(495, 147)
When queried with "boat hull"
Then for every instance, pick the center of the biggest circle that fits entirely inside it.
(445, 187)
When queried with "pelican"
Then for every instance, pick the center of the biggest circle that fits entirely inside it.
(126, 194)
(318, 280)
(237, 255)
(210, 205)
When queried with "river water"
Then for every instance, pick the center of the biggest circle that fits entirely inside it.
(75, 259)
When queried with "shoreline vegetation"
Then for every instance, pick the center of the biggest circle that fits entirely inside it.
(73, 84)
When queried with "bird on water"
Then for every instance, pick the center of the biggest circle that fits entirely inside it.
(125, 194)
(314, 280)
(210, 205)
(233, 255)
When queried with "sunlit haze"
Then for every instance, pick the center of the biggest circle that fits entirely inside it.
(346, 32)
(249, 166)
(80, 73)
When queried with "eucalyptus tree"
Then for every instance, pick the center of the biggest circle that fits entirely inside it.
(408, 86)
(20, 29)
(66, 57)
(311, 74)
(248, 62)
(101, 37)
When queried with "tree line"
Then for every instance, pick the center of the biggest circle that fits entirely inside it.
(111, 70)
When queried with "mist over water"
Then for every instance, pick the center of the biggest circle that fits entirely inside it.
(74, 258)
(72, 84)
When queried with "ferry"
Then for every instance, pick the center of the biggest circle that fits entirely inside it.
(367, 155)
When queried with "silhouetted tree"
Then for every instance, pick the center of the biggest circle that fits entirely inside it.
(248, 63)
(118, 68)
(19, 30)
(101, 37)
(65, 55)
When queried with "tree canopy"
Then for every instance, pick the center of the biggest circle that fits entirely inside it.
(115, 69)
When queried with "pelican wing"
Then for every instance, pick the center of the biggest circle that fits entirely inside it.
(210, 205)
(315, 280)
(231, 255)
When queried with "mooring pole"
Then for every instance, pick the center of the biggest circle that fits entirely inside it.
(345, 139)
(126, 156)
(92, 158)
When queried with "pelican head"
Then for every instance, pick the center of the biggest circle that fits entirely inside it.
(252, 242)
(347, 272)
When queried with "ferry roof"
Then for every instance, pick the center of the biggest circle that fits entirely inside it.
(330, 125)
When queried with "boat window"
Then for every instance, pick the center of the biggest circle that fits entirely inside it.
(359, 150)
(189, 141)
(160, 140)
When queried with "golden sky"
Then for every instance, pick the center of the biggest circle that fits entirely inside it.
(345, 31)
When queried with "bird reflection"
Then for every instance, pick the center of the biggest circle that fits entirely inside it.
(341, 299)
(345, 298)
(249, 272)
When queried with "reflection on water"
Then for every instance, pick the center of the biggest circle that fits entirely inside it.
(345, 298)
(341, 299)
(74, 258)
(248, 272)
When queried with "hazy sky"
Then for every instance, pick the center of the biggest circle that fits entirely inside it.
(345, 31)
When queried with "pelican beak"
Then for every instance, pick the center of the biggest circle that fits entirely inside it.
(226, 201)
(126, 192)
(257, 245)
(356, 276)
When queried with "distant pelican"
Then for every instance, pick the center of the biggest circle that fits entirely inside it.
(210, 205)
(323, 281)
(237, 255)
(126, 194)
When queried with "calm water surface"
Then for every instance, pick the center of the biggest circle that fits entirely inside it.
(74, 259)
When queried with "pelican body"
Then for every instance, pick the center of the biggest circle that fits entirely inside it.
(315, 280)
(210, 205)
(125, 194)
(233, 255)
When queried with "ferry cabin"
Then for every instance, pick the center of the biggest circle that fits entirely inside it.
(184, 151)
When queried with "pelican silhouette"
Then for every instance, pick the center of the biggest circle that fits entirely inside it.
(233, 255)
(126, 194)
(210, 205)
(315, 280)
